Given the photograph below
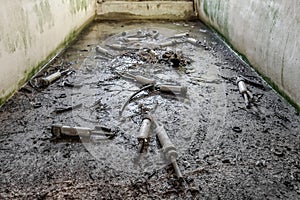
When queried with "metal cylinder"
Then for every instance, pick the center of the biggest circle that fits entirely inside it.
(83, 131)
(241, 85)
(192, 41)
(181, 90)
(181, 35)
(168, 43)
(176, 168)
(168, 148)
(144, 80)
(131, 39)
(116, 46)
(144, 132)
(49, 79)
(102, 50)
(75, 131)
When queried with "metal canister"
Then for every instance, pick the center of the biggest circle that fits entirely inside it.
(241, 85)
(174, 89)
(45, 81)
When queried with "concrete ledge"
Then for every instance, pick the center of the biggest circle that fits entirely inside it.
(177, 10)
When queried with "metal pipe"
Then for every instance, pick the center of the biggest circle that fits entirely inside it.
(174, 89)
(168, 148)
(100, 49)
(59, 130)
(45, 81)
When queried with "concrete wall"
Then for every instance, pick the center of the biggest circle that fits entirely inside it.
(31, 31)
(266, 32)
(145, 9)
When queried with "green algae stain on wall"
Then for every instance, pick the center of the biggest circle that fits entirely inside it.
(44, 14)
(217, 12)
(78, 5)
(17, 31)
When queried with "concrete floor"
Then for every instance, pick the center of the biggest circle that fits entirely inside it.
(226, 150)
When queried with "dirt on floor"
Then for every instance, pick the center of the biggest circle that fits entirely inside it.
(226, 149)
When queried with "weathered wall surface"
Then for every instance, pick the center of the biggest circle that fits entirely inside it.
(145, 9)
(31, 31)
(265, 32)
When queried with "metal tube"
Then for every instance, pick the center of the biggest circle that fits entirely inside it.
(246, 99)
(168, 43)
(176, 168)
(182, 90)
(103, 51)
(179, 35)
(144, 80)
(193, 41)
(116, 46)
(144, 132)
(241, 85)
(49, 79)
(168, 148)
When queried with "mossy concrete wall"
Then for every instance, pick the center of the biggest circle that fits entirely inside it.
(267, 33)
(31, 31)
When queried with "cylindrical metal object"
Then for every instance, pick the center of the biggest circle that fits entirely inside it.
(144, 80)
(102, 50)
(246, 99)
(176, 168)
(179, 35)
(168, 43)
(168, 148)
(193, 41)
(144, 132)
(49, 79)
(83, 131)
(116, 46)
(131, 39)
(181, 90)
(241, 85)
(59, 130)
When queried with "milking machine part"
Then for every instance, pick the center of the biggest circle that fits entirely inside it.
(180, 35)
(139, 79)
(60, 131)
(147, 87)
(168, 147)
(42, 82)
(163, 88)
(247, 95)
(101, 50)
(144, 135)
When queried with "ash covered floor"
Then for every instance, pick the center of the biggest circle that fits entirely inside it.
(226, 150)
